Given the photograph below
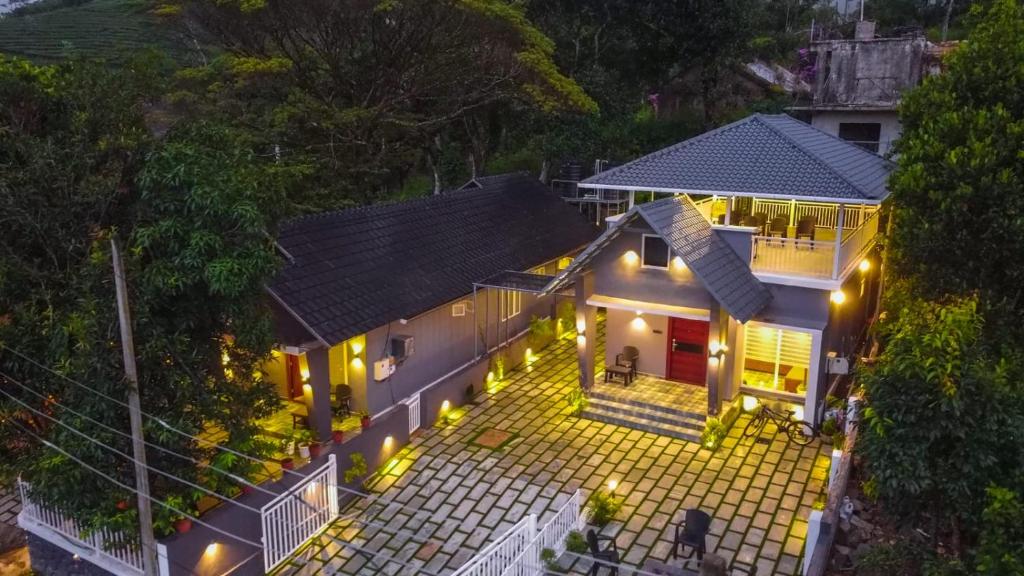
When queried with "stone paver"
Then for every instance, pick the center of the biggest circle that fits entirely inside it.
(10, 506)
(446, 498)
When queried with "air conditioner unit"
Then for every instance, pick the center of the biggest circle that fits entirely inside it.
(836, 364)
(382, 369)
(402, 347)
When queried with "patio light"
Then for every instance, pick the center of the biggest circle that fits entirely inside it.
(581, 326)
(678, 263)
(631, 257)
(211, 549)
(388, 442)
(749, 403)
(837, 297)
(357, 363)
(612, 485)
(446, 406)
(865, 265)
(356, 346)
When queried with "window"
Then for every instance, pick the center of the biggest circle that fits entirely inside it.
(863, 134)
(655, 252)
(542, 270)
(511, 304)
(564, 262)
(776, 359)
(459, 310)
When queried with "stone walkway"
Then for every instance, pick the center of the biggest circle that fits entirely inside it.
(445, 496)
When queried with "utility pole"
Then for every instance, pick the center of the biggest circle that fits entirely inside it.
(135, 414)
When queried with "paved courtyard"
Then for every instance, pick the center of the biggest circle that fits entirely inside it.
(445, 496)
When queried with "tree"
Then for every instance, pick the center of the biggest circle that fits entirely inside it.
(942, 405)
(195, 213)
(1001, 547)
(367, 87)
(958, 191)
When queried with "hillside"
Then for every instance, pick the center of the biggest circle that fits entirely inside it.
(111, 30)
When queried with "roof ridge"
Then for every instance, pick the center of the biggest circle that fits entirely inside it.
(679, 145)
(817, 160)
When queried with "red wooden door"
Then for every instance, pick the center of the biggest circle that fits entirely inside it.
(687, 350)
(294, 374)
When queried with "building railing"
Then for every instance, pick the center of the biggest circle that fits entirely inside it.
(114, 551)
(568, 518)
(297, 515)
(826, 215)
(814, 258)
(856, 243)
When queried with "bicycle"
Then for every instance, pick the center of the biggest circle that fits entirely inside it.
(799, 431)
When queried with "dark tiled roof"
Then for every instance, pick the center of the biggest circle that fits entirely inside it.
(762, 155)
(355, 270)
(727, 277)
(495, 180)
(724, 274)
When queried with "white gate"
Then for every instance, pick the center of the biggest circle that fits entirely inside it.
(298, 514)
(413, 402)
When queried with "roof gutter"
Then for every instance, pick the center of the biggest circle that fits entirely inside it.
(865, 201)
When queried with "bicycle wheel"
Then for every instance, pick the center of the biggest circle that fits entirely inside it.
(801, 432)
(755, 425)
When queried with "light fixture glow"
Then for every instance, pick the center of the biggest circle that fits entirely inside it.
(490, 376)
(307, 389)
(581, 326)
(211, 549)
(389, 441)
(304, 373)
(446, 406)
(631, 257)
(638, 323)
(749, 403)
(865, 265)
(678, 263)
(357, 363)
(356, 346)
(581, 340)
(225, 358)
(798, 412)
(639, 312)
(837, 297)
(714, 348)
(713, 361)
(612, 485)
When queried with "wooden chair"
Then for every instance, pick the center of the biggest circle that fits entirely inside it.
(805, 227)
(628, 358)
(607, 556)
(692, 532)
(779, 227)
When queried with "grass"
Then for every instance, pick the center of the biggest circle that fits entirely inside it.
(111, 30)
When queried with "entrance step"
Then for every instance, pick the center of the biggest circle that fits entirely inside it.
(630, 399)
(664, 420)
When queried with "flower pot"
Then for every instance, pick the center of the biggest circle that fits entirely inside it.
(314, 450)
(183, 525)
(122, 505)
(338, 436)
(246, 489)
(365, 422)
(304, 450)
(287, 463)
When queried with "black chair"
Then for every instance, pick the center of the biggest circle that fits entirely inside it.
(750, 221)
(692, 533)
(805, 227)
(779, 227)
(628, 358)
(341, 400)
(762, 221)
(607, 556)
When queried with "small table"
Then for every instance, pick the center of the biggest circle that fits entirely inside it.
(618, 372)
(300, 415)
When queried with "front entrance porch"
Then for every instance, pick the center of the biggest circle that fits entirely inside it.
(668, 408)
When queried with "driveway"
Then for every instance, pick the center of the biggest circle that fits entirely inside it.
(455, 488)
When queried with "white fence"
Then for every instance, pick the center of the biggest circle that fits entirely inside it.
(517, 552)
(827, 215)
(109, 550)
(413, 402)
(297, 515)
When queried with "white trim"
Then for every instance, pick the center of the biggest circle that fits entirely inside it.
(734, 228)
(648, 307)
(801, 281)
(810, 397)
(643, 252)
(727, 193)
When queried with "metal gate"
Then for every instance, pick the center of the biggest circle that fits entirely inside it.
(299, 514)
(413, 402)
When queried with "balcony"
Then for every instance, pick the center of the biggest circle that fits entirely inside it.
(825, 257)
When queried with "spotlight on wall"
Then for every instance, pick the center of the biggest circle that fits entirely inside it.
(446, 406)
(865, 265)
(211, 549)
(678, 263)
(631, 257)
(749, 403)
(389, 441)
(837, 297)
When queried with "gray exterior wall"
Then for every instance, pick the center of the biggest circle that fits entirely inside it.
(649, 334)
(868, 72)
(829, 121)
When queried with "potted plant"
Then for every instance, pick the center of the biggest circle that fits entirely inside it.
(604, 506)
(337, 436)
(358, 469)
(364, 419)
(182, 523)
(288, 463)
(314, 447)
(828, 429)
(303, 438)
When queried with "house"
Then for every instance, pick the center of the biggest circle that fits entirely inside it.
(745, 265)
(858, 84)
(381, 298)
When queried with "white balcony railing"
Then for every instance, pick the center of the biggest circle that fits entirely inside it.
(856, 243)
(813, 258)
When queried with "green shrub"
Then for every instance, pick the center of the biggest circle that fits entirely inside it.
(829, 427)
(567, 316)
(713, 434)
(577, 401)
(541, 332)
(547, 556)
(839, 439)
(604, 506)
(1001, 545)
(576, 543)
(358, 468)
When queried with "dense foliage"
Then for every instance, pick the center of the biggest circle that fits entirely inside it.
(193, 213)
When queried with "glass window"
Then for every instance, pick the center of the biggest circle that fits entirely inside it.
(655, 252)
(511, 304)
(863, 134)
(776, 359)
(564, 262)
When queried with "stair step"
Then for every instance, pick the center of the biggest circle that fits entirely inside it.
(620, 398)
(640, 423)
(648, 412)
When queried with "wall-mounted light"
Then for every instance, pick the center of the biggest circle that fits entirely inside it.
(528, 356)
(357, 363)
(638, 323)
(211, 549)
(837, 297)
(307, 389)
(445, 406)
(631, 257)
(356, 346)
(581, 326)
(864, 265)
(581, 340)
(304, 373)
(749, 403)
(490, 376)
(798, 412)
(388, 442)
(678, 263)
(225, 358)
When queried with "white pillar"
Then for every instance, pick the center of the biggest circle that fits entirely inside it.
(839, 242)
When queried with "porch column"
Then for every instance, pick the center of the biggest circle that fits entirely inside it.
(586, 330)
(632, 198)
(318, 396)
(839, 242)
(728, 210)
(717, 332)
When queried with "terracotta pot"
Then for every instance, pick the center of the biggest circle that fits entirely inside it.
(287, 464)
(122, 505)
(314, 450)
(246, 489)
(338, 436)
(183, 525)
(365, 422)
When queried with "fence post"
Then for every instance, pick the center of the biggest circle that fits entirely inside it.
(813, 531)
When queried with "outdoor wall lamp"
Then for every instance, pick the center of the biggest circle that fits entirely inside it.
(837, 297)
(631, 257)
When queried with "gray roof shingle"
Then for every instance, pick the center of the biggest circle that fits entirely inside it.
(762, 155)
(355, 270)
(724, 274)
